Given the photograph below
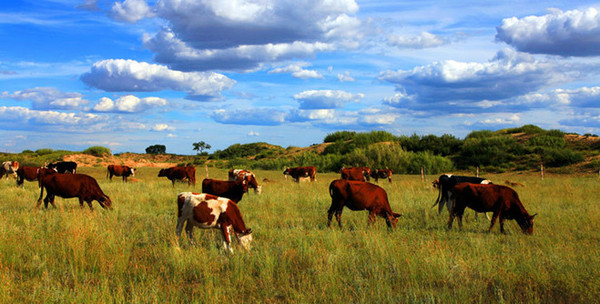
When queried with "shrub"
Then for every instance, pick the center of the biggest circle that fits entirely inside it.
(556, 157)
(339, 136)
(480, 134)
(547, 141)
(98, 151)
(156, 149)
(43, 151)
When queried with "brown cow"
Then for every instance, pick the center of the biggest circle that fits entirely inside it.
(180, 173)
(300, 172)
(501, 200)
(382, 173)
(233, 190)
(357, 195)
(356, 173)
(239, 174)
(209, 211)
(30, 174)
(118, 170)
(81, 186)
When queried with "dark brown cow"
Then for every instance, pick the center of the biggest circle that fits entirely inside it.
(179, 173)
(501, 200)
(240, 174)
(355, 173)
(30, 174)
(357, 195)
(233, 190)
(208, 211)
(301, 172)
(382, 173)
(118, 170)
(81, 186)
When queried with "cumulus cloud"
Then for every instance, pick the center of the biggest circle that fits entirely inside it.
(130, 11)
(499, 121)
(119, 75)
(585, 97)
(242, 34)
(129, 104)
(253, 133)
(507, 75)
(421, 41)
(570, 33)
(297, 70)
(326, 99)
(332, 118)
(345, 77)
(257, 116)
(25, 115)
(162, 127)
(47, 98)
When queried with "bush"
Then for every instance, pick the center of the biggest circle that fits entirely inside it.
(555, 157)
(98, 151)
(339, 136)
(156, 149)
(44, 151)
(547, 141)
(245, 150)
(496, 151)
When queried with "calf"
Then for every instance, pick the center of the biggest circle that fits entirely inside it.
(9, 168)
(64, 167)
(355, 173)
(382, 173)
(117, 170)
(81, 186)
(233, 190)
(209, 211)
(239, 174)
(300, 172)
(179, 173)
(357, 195)
(31, 174)
(501, 200)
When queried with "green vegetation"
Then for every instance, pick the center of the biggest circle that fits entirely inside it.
(131, 255)
(156, 149)
(97, 151)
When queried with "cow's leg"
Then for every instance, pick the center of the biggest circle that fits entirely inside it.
(52, 201)
(502, 225)
(173, 181)
(335, 205)
(450, 220)
(494, 218)
(81, 202)
(226, 238)
(90, 204)
(180, 221)
(189, 229)
(372, 218)
(338, 217)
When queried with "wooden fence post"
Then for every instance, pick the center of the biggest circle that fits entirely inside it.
(477, 173)
(422, 175)
(542, 170)
(206, 168)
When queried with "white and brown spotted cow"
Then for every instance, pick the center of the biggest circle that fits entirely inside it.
(9, 168)
(209, 211)
(241, 174)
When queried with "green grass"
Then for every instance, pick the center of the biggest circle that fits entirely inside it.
(72, 255)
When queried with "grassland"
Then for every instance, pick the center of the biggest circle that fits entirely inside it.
(131, 255)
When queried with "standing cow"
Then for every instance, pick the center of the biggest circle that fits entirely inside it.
(9, 168)
(31, 174)
(301, 172)
(179, 173)
(240, 174)
(357, 195)
(63, 167)
(445, 183)
(382, 173)
(356, 173)
(211, 212)
(118, 170)
(503, 201)
(82, 186)
(233, 190)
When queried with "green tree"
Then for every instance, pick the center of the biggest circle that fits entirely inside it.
(156, 149)
(201, 146)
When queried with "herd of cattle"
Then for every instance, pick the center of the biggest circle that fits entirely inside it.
(216, 207)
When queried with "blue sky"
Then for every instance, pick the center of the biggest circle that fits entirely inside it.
(130, 74)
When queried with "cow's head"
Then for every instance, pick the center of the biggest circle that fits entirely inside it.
(245, 238)
(392, 220)
(162, 172)
(105, 202)
(132, 171)
(435, 184)
(527, 226)
(286, 171)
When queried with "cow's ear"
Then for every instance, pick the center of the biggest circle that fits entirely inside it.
(531, 217)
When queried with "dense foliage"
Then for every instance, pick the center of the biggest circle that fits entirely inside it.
(156, 149)
(98, 151)
(256, 150)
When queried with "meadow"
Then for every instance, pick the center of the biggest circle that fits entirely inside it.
(131, 254)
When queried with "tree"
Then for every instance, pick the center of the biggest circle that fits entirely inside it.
(156, 149)
(201, 146)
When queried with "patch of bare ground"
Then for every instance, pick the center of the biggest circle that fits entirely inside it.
(129, 159)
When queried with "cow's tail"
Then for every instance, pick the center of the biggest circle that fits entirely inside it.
(41, 184)
(180, 201)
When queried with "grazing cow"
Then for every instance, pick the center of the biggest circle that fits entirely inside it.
(9, 167)
(357, 195)
(63, 167)
(299, 172)
(501, 200)
(117, 170)
(208, 211)
(179, 173)
(81, 186)
(239, 174)
(31, 174)
(382, 173)
(356, 173)
(233, 190)
(446, 182)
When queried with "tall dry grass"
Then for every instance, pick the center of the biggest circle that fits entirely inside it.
(131, 254)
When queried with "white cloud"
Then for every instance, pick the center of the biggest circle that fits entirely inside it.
(25, 115)
(326, 99)
(585, 97)
(570, 33)
(162, 127)
(253, 133)
(257, 116)
(345, 77)
(131, 11)
(297, 71)
(129, 104)
(45, 98)
(423, 40)
(119, 75)
(242, 35)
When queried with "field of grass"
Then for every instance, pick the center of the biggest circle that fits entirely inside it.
(131, 255)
